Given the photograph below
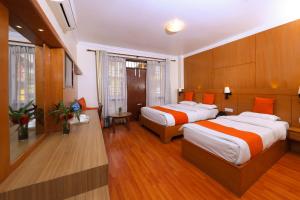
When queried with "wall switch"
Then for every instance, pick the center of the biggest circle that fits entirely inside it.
(228, 110)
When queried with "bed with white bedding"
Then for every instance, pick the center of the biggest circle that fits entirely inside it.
(163, 123)
(194, 113)
(227, 158)
(230, 148)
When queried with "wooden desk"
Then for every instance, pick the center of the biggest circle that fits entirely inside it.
(62, 166)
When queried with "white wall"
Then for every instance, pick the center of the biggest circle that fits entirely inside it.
(68, 38)
(86, 60)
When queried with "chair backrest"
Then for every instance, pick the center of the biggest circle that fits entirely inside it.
(100, 106)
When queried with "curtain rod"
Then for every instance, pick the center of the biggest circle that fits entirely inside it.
(19, 43)
(135, 56)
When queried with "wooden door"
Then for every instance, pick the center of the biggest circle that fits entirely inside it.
(136, 90)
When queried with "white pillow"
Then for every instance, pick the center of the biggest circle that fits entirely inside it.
(260, 115)
(206, 106)
(189, 103)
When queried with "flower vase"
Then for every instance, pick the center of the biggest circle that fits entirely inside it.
(66, 127)
(23, 132)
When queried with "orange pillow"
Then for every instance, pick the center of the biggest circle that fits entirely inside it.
(263, 105)
(82, 102)
(208, 98)
(188, 96)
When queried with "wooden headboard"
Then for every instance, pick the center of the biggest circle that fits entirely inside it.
(287, 105)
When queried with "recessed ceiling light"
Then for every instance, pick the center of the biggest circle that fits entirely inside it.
(41, 30)
(174, 26)
(18, 26)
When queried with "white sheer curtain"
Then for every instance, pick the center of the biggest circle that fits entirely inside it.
(21, 75)
(158, 83)
(115, 86)
(101, 63)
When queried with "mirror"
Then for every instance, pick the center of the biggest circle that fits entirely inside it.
(26, 110)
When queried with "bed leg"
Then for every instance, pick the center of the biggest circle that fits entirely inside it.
(165, 139)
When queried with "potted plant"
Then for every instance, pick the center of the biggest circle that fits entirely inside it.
(22, 117)
(64, 113)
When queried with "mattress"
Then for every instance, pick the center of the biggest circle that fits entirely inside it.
(166, 119)
(231, 148)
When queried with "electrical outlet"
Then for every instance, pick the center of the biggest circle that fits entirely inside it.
(228, 110)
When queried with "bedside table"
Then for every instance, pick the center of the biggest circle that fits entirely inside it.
(294, 134)
(294, 139)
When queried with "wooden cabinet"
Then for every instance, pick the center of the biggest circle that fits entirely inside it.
(294, 139)
(294, 134)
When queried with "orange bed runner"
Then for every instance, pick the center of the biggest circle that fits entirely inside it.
(253, 140)
(180, 117)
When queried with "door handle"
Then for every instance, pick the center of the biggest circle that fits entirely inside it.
(139, 104)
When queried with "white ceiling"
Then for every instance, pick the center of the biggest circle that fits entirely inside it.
(139, 24)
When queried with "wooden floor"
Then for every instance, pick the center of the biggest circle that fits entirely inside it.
(141, 167)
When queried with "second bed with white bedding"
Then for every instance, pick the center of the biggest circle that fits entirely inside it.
(231, 148)
(194, 113)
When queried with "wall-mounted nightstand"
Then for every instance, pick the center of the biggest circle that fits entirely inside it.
(294, 139)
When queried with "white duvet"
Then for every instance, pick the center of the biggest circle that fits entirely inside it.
(194, 114)
(231, 148)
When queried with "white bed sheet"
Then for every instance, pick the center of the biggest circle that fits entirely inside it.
(166, 119)
(230, 148)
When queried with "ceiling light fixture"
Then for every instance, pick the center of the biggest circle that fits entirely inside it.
(174, 26)
(41, 30)
(18, 26)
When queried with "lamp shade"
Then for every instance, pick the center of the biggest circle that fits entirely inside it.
(226, 90)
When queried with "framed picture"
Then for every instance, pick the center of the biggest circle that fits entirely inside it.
(68, 72)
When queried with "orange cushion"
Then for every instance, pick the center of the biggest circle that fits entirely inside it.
(188, 96)
(82, 102)
(263, 105)
(208, 98)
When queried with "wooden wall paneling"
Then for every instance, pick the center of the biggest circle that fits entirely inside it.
(47, 83)
(235, 53)
(57, 62)
(4, 120)
(239, 76)
(53, 66)
(277, 57)
(198, 74)
(245, 102)
(39, 83)
(283, 107)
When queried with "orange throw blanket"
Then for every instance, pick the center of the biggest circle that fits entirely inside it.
(180, 117)
(253, 140)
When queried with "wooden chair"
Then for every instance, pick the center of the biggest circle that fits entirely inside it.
(100, 107)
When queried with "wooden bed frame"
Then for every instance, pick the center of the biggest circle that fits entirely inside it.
(165, 132)
(237, 178)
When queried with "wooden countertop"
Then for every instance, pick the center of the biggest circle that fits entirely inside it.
(61, 155)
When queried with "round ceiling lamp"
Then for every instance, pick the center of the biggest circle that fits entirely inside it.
(174, 26)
